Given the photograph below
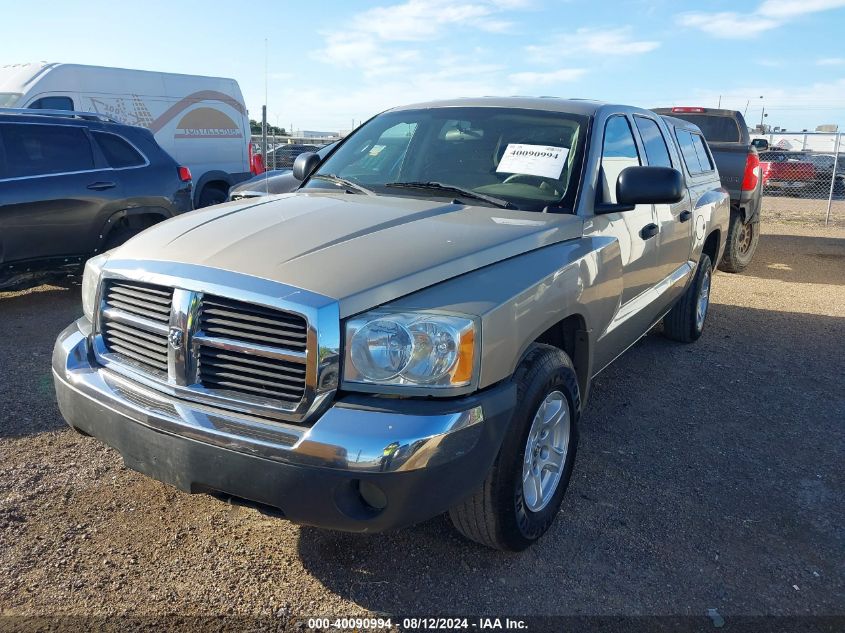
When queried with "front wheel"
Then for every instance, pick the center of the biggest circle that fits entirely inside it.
(521, 495)
(740, 244)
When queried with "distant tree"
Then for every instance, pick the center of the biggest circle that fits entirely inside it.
(255, 128)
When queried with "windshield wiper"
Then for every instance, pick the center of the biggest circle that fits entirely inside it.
(343, 182)
(466, 193)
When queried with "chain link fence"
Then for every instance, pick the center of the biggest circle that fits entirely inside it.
(283, 150)
(803, 184)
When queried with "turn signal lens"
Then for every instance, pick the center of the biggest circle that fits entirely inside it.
(90, 283)
(466, 358)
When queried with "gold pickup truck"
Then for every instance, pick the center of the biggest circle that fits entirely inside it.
(415, 328)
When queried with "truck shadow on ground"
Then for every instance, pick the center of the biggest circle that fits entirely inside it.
(799, 259)
(29, 324)
(707, 474)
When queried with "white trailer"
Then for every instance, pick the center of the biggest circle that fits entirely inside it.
(200, 121)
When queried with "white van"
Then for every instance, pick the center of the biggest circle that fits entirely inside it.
(200, 121)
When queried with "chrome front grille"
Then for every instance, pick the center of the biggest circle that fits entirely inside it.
(242, 372)
(144, 300)
(134, 323)
(250, 323)
(216, 350)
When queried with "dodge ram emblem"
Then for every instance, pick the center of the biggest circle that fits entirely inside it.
(175, 337)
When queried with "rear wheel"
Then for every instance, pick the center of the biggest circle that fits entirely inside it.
(128, 227)
(685, 321)
(521, 495)
(120, 233)
(211, 194)
(740, 244)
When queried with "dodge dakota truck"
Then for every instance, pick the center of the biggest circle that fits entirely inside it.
(411, 332)
(740, 172)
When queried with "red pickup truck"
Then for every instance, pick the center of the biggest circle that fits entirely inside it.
(781, 172)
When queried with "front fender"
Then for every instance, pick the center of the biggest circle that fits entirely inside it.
(520, 298)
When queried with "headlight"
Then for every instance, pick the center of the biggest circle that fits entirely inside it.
(90, 281)
(410, 348)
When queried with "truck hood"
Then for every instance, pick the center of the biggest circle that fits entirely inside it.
(359, 249)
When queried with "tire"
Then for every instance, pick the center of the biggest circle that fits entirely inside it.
(117, 236)
(685, 321)
(211, 194)
(741, 243)
(499, 514)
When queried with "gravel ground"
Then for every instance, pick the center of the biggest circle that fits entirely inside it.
(708, 476)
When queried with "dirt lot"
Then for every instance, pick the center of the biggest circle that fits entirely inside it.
(804, 211)
(708, 476)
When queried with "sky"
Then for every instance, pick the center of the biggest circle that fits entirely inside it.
(329, 63)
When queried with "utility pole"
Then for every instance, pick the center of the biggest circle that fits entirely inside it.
(264, 137)
(264, 111)
(836, 149)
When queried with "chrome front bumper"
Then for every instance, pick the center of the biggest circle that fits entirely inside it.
(442, 450)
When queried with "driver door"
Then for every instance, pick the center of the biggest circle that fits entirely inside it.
(636, 232)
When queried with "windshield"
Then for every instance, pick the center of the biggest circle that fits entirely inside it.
(527, 159)
(9, 99)
(716, 128)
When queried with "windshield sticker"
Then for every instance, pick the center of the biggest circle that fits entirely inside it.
(376, 150)
(533, 160)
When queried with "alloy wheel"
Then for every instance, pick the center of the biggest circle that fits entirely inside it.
(545, 451)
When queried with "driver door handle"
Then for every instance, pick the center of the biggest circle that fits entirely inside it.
(685, 215)
(649, 231)
(101, 186)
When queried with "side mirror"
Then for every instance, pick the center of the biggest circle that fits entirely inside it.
(760, 144)
(649, 185)
(305, 164)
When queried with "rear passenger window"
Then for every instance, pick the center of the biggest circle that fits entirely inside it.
(703, 155)
(655, 145)
(688, 151)
(117, 151)
(618, 152)
(37, 150)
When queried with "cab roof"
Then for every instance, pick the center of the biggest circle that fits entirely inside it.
(583, 107)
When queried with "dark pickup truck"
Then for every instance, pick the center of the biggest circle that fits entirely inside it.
(739, 170)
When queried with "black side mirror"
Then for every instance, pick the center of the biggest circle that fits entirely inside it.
(760, 144)
(649, 185)
(305, 164)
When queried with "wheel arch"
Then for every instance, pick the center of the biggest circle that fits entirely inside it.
(137, 217)
(713, 246)
(570, 335)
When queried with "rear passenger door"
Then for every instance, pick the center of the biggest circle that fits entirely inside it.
(673, 220)
(52, 193)
(704, 185)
